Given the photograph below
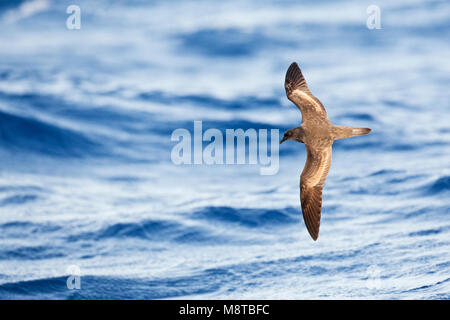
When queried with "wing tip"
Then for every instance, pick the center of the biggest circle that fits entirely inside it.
(294, 79)
(293, 66)
(311, 203)
(312, 222)
(314, 235)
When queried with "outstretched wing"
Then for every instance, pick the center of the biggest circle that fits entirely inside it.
(313, 177)
(297, 91)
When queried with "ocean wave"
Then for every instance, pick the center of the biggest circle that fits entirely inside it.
(31, 135)
(49, 287)
(18, 199)
(425, 232)
(30, 253)
(249, 102)
(105, 288)
(228, 42)
(358, 116)
(250, 218)
(152, 230)
(20, 229)
(440, 185)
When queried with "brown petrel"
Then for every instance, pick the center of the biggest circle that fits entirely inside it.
(318, 135)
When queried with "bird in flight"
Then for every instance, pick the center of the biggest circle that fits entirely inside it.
(318, 135)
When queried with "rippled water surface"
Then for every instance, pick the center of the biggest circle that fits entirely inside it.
(86, 177)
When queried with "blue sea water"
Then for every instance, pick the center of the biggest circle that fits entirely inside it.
(86, 178)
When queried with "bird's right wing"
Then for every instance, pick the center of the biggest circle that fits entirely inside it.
(297, 91)
(312, 180)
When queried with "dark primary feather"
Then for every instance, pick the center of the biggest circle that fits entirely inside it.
(294, 79)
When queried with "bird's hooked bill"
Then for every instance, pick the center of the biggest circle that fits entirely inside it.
(282, 140)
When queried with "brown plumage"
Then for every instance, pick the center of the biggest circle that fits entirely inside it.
(318, 135)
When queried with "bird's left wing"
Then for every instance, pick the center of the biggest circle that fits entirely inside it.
(312, 180)
(297, 91)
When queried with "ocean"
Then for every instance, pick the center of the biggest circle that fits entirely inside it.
(93, 207)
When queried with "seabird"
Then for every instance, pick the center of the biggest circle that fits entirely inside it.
(318, 135)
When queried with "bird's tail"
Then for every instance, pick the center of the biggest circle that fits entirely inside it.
(341, 132)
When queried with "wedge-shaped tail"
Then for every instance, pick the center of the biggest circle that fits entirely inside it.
(341, 132)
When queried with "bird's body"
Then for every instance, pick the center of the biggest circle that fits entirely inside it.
(318, 135)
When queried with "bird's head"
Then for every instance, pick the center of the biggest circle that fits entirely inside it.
(295, 134)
